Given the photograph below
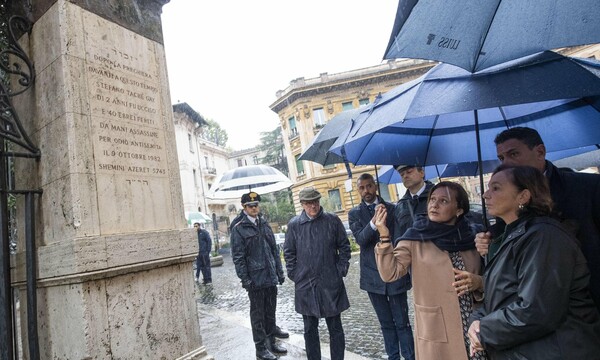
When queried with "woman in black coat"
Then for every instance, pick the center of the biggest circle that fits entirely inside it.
(537, 302)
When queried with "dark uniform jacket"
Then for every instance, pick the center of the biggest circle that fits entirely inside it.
(204, 242)
(537, 303)
(576, 199)
(359, 219)
(317, 257)
(407, 210)
(255, 254)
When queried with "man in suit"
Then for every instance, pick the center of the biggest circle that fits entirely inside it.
(388, 299)
(414, 201)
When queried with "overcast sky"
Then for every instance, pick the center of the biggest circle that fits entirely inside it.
(227, 58)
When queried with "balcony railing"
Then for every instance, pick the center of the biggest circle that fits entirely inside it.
(209, 171)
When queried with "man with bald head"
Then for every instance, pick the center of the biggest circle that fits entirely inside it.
(576, 197)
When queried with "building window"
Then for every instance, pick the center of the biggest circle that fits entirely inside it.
(347, 105)
(255, 160)
(206, 162)
(335, 199)
(195, 179)
(293, 129)
(191, 142)
(239, 161)
(319, 117)
(363, 102)
(299, 165)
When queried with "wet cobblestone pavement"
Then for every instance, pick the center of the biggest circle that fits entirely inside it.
(363, 334)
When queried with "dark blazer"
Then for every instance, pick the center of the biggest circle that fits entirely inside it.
(576, 199)
(407, 210)
(359, 219)
(204, 242)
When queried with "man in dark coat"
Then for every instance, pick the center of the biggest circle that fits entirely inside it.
(414, 201)
(278, 332)
(257, 264)
(317, 257)
(388, 299)
(576, 197)
(203, 260)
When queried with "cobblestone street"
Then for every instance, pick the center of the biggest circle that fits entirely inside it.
(226, 296)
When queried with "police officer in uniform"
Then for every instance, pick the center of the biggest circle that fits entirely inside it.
(258, 265)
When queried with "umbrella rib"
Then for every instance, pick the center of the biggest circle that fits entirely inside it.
(485, 37)
(429, 141)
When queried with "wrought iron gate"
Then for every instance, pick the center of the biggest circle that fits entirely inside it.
(16, 71)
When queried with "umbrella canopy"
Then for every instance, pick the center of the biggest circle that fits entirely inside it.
(433, 120)
(389, 175)
(475, 35)
(318, 150)
(197, 217)
(234, 183)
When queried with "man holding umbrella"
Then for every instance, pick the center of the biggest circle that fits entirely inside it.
(258, 265)
(576, 197)
(388, 299)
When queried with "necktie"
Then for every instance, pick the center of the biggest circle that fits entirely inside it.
(416, 197)
(371, 209)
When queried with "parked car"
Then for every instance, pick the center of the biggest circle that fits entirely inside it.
(279, 238)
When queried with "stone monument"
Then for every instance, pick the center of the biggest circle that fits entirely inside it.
(114, 255)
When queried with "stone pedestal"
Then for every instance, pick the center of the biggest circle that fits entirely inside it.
(114, 254)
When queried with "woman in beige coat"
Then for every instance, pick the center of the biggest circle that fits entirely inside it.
(440, 252)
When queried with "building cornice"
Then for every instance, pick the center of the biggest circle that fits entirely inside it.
(325, 84)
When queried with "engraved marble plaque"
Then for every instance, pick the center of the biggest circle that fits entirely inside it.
(128, 130)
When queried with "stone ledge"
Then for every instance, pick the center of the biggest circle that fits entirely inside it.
(198, 354)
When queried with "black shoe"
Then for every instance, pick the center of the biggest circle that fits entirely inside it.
(265, 354)
(207, 282)
(275, 348)
(278, 333)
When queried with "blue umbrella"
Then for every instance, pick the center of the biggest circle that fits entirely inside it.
(440, 117)
(389, 175)
(475, 35)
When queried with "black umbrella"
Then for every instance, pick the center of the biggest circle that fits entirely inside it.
(318, 150)
(475, 34)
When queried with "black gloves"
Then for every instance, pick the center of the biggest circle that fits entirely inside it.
(248, 285)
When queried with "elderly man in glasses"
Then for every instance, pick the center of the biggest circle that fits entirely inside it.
(317, 257)
(257, 264)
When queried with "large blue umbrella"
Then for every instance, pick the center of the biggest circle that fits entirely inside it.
(389, 175)
(475, 34)
(440, 117)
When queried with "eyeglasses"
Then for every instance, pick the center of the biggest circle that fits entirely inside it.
(310, 203)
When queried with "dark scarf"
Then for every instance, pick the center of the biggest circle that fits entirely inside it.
(452, 238)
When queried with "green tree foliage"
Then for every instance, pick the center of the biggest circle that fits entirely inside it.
(214, 133)
(271, 142)
(278, 207)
